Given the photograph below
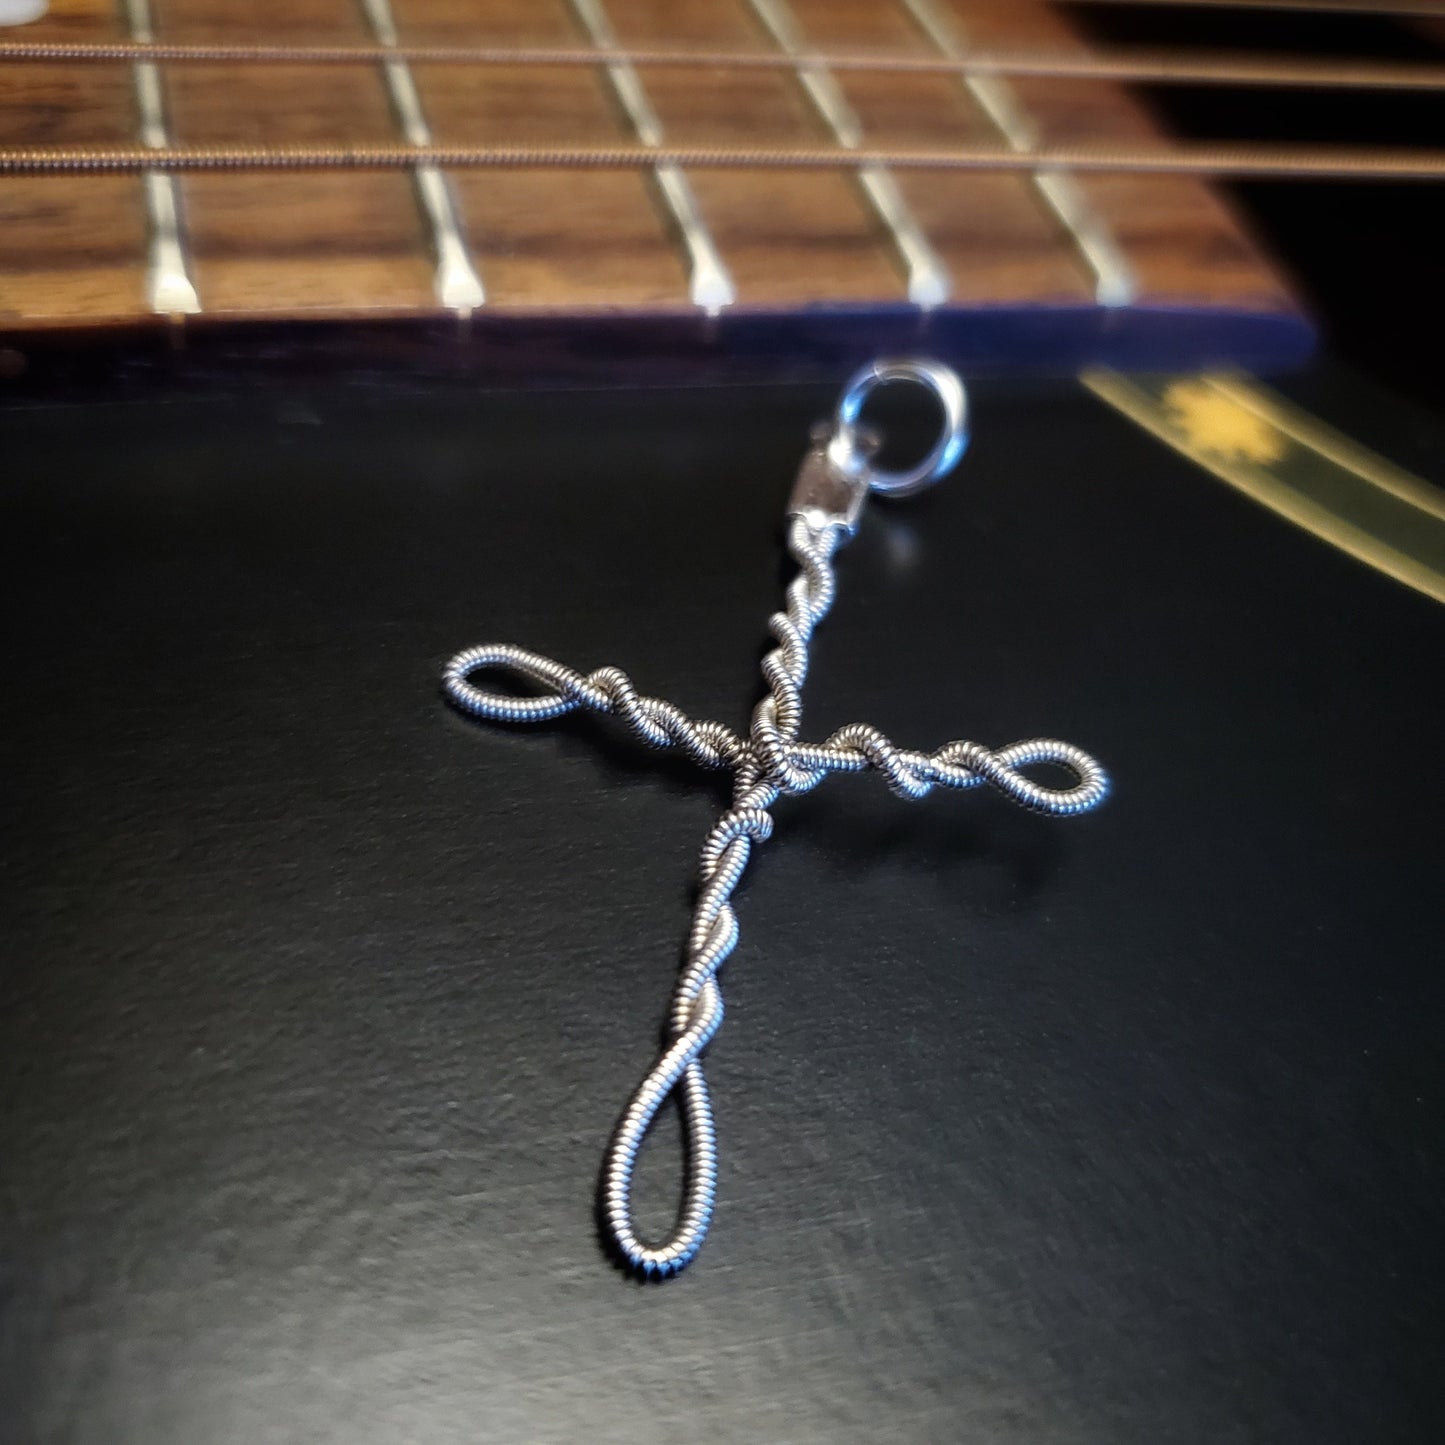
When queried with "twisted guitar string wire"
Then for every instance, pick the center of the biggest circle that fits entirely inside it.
(766, 764)
(762, 773)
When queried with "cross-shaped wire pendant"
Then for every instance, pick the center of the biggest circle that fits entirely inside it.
(766, 763)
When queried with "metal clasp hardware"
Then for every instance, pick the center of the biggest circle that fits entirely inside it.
(833, 480)
(837, 473)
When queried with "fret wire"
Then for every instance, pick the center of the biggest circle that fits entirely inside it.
(1132, 64)
(929, 283)
(710, 285)
(170, 291)
(1239, 161)
(457, 285)
(1114, 281)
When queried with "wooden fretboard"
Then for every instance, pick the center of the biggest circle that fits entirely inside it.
(1098, 253)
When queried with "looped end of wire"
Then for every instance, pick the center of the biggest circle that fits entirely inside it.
(562, 683)
(677, 1070)
(1091, 784)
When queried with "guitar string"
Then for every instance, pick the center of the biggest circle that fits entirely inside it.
(1136, 65)
(1238, 161)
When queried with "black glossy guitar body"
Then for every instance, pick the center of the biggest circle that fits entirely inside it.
(318, 1002)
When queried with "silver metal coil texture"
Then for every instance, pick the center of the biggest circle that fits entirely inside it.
(768, 762)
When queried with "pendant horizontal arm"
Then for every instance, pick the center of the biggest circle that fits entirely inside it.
(859, 748)
(794, 767)
(607, 690)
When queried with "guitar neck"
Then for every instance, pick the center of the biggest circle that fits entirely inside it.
(1040, 269)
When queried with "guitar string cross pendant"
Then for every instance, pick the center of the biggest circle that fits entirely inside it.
(766, 763)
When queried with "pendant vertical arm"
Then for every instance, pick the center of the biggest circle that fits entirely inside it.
(697, 1005)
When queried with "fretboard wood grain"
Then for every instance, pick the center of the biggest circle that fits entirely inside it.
(557, 244)
(1185, 245)
(72, 250)
(597, 237)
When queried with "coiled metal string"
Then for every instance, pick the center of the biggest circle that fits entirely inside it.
(770, 761)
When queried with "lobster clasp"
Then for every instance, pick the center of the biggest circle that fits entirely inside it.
(833, 480)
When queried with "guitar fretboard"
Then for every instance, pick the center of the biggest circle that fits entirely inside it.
(656, 240)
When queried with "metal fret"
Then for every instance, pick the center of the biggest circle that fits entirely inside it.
(928, 280)
(709, 284)
(169, 288)
(1114, 281)
(457, 285)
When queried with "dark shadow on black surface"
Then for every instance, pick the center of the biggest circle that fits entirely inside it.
(927, 833)
(622, 759)
(943, 837)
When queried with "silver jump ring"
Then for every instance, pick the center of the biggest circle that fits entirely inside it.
(949, 447)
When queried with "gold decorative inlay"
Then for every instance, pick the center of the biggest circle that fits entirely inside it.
(1292, 463)
(1215, 424)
